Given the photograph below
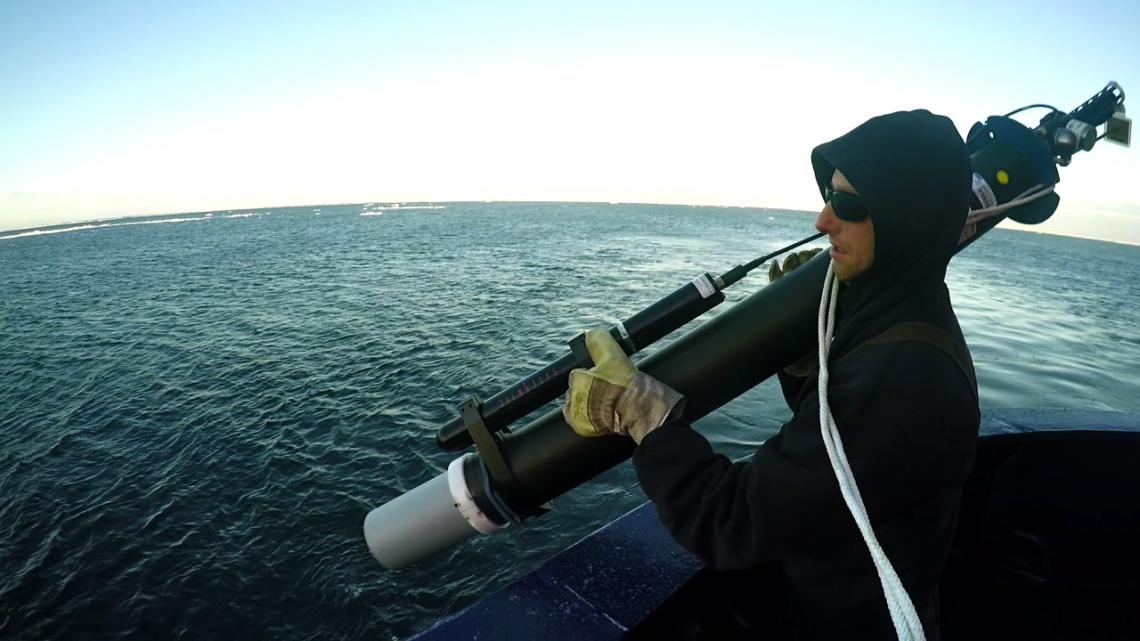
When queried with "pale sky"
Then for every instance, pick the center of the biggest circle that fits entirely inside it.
(118, 108)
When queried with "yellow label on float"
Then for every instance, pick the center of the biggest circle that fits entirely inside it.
(1002, 177)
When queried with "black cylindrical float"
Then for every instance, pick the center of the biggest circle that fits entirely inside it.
(711, 365)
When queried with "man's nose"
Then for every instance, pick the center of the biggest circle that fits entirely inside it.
(826, 221)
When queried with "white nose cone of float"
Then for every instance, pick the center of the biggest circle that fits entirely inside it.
(428, 519)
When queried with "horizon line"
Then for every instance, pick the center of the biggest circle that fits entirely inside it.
(85, 221)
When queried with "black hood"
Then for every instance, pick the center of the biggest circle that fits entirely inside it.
(913, 171)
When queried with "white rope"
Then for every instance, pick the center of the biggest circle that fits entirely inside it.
(907, 625)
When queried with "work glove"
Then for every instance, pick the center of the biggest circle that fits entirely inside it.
(613, 397)
(808, 362)
(792, 261)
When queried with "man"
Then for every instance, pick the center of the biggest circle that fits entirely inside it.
(901, 390)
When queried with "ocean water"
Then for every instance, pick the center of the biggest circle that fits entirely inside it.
(197, 411)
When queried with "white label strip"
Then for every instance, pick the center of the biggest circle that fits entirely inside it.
(982, 190)
(704, 285)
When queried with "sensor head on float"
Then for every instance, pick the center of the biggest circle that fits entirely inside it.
(1009, 159)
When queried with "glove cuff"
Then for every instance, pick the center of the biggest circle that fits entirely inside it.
(645, 405)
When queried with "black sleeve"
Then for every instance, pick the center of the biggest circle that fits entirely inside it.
(733, 515)
(905, 436)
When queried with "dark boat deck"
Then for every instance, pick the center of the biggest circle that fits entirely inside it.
(1046, 548)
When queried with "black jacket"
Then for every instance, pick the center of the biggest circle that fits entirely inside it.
(907, 412)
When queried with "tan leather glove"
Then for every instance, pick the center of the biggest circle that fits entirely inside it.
(791, 261)
(613, 397)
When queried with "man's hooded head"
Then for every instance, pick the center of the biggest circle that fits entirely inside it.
(913, 172)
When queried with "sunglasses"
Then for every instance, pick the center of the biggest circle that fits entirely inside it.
(847, 206)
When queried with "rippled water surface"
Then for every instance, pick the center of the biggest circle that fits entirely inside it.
(197, 416)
